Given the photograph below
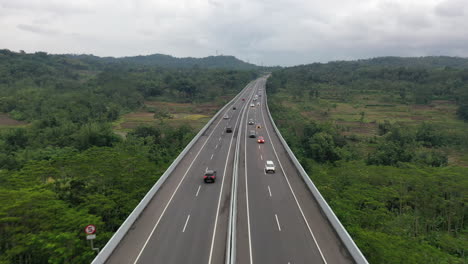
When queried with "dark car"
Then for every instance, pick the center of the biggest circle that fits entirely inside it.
(210, 176)
(228, 129)
(234, 108)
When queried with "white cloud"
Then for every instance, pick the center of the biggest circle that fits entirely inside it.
(282, 32)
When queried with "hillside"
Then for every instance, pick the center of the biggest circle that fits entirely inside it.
(64, 162)
(225, 62)
(388, 149)
(421, 62)
(161, 60)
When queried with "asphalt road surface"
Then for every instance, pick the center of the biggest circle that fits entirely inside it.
(187, 220)
(278, 219)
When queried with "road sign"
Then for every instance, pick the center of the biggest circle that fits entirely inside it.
(90, 229)
(89, 237)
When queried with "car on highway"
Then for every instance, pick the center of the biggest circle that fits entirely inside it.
(252, 134)
(243, 99)
(228, 129)
(234, 108)
(252, 105)
(269, 166)
(260, 139)
(258, 103)
(210, 176)
(225, 117)
(251, 122)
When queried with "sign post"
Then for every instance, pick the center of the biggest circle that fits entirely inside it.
(90, 230)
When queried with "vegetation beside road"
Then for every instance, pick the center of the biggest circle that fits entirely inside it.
(387, 147)
(172, 114)
(62, 165)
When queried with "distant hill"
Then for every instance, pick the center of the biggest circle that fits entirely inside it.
(424, 62)
(207, 62)
(379, 63)
(211, 62)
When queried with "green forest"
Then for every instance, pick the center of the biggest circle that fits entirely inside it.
(384, 140)
(386, 143)
(63, 167)
(224, 62)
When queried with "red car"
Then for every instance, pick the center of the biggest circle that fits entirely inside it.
(260, 140)
(243, 99)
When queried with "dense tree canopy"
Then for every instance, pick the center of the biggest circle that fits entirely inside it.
(404, 82)
(394, 190)
(67, 168)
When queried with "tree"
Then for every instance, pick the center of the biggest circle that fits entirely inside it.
(322, 148)
(462, 112)
(429, 136)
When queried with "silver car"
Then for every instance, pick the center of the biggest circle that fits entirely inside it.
(269, 166)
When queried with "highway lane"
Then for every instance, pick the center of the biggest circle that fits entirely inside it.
(186, 221)
(278, 219)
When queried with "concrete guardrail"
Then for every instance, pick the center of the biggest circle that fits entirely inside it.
(231, 245)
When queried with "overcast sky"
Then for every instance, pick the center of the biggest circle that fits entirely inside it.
(273, 32)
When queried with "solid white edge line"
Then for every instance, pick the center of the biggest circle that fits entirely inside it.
(294, 195)
(186, 222)
(269, 190)
(277, 221)
(175, 191)
(221, 191)
(199, 186)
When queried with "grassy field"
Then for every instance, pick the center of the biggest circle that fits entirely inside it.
(180, 113)
(361, 115)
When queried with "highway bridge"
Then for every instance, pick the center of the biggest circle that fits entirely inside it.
(247, 215)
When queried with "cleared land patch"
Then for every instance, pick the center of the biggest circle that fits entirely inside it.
(361, 115)
(6, 121)
(195, 115)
